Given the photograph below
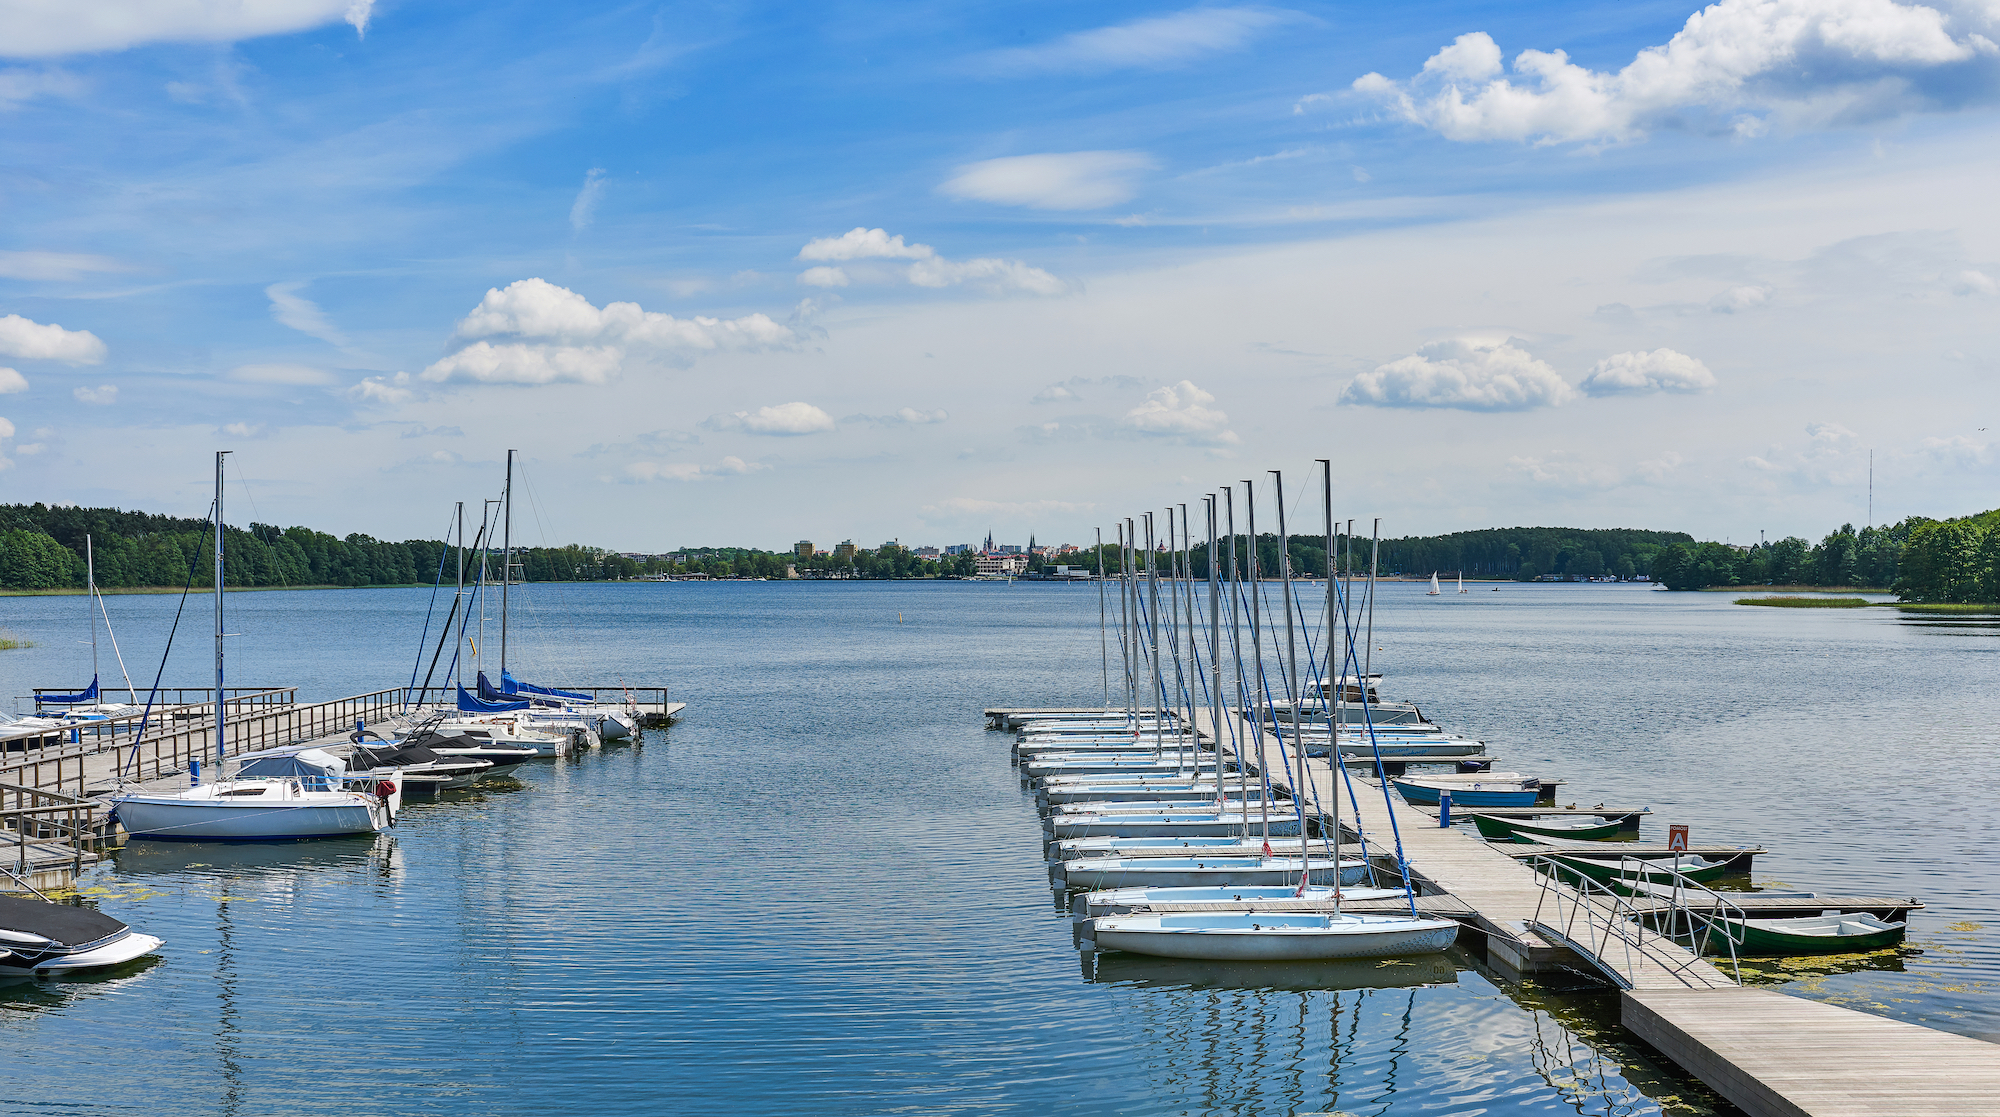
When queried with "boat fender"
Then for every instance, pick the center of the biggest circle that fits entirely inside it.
(385, 789)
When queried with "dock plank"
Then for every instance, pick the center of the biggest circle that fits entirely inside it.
(1775, 1055)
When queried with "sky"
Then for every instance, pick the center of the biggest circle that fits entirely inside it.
(744, 273)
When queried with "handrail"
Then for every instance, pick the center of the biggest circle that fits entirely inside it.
(1614, 931)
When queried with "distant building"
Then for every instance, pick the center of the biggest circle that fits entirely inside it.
(925, 552)
(844, 551)
(803, 549)
(995, 565)
(958, 549)
(1010, 549)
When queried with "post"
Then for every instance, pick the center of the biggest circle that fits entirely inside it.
(1444, 810)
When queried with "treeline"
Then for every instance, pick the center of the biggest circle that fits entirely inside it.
(43, 548)
(1943, 561)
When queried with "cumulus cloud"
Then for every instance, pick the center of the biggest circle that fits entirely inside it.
(292, 375)
(1155, 43)
(12, 381)
(583, 211)
(689, 471)
(1739, 299)
(1462, 374)
(244, 430)
(1736, 67)
(865, 251)
(1183, 410)
(534, 332)
(1056, 393)
(103, 395)
(40, 30)
(302, 314)
(6, 432)
(1662, 370)
(1068, 181)
(792, 418)
(58, 267)
(33, 341)
(383, 391)
(914, 415)
(1974, 283)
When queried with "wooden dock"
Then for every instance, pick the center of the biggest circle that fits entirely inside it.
(1771, 1054)
(1775, 1055)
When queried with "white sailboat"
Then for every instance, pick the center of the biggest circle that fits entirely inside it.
(1461, 583)
(1435, 591)
(277, 795)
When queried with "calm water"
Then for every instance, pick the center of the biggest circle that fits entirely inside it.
(824, 888)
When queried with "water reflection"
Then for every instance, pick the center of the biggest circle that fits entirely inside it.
(59, 991)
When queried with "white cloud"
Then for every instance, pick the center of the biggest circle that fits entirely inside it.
(1567, 471)
(823, 277)
(1662, 370)
(6, 432)
(33, 341)
(583, 211)
(1181, 409)
(1461, 374)
(103, 395)
(12, 381)
(243, 430)
(1069, 180)
(1830, 435)
(1734, 68)
(1154, 43)
(550, 334)
(59, 267)
(292, 375)
(785, 419)
(860, 246)
(1974, 283)
(302, 314)
(1738, 299)
(383, 391)
(860, 243)
(1056, 393)
(689, 471)
(43, 28)
(17, 87)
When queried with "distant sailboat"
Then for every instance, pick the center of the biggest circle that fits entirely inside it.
(1461, 583)
(1435, 591)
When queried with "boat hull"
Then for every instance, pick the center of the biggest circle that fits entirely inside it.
(169, 820)
(1084, 876)
(1352, 937)
(117, 952)
(1467, 797)
(1788, 936)
(1503, 829)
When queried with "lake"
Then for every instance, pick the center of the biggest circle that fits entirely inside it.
(823, 890)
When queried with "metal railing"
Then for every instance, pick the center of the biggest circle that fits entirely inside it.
(1619, 937)
(92, 736)
(644, 697)
(29, 815)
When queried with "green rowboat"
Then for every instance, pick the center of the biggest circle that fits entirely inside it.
(1501, 829)
(1610, 871)
(1822, 934)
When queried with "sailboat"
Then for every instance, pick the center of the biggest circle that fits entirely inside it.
(1461, 583)
(88, 705)
(277, 795)
(1435, 591)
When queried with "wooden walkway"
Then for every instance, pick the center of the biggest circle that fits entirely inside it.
(1505, 894)
(1775, 1055)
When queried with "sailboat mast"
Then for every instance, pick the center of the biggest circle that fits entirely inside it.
(90, 606)
(1185, 599)
(220, 751)
(1302, 789)
(1214, 654)
(1332, 673)
(458, 659)
(1368, 650)
(1259, 700)
(1103, 632)
(506, 558)
(1153, 633)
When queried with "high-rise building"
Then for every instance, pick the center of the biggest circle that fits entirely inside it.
(844, 551)
(803, 549)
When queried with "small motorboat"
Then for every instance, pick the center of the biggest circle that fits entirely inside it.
(1166, 825)
(40, 939)
(1273, 936)
(424, 773)
(456, 745)
(1619, 873)
(1820, 934)
(1098, 874)
(1223, 845)
(1488, 789)
(1513, 829)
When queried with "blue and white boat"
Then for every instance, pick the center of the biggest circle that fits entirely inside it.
(1488, 789)
(1272, 936)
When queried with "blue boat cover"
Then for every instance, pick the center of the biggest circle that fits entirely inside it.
(471, 705)
(512, 685)
(88, 695)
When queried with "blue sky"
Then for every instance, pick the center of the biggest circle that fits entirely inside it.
(751, 273)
